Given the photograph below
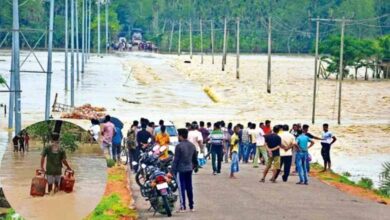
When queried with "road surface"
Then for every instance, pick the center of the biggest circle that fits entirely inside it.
(218, 197)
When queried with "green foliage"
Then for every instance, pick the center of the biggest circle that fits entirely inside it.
(111, 208)
(110, 162)
(385, 179)
(357, 52)
(292, 30)
(10, 213)
(347, 174)
(366, 183)
(2, 80)
(344, 179)
(68, 142)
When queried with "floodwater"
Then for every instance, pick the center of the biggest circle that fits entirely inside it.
(18, 169)
(109, 79)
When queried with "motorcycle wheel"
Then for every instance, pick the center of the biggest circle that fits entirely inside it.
(140, 179)
(166, 206)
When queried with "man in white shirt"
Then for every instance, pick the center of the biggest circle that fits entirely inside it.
(260, 149)
(195, 137)
(327, 140)
(288, 141)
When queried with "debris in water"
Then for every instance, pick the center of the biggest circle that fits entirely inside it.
(210, 92)
(86, 111)
(128, 101)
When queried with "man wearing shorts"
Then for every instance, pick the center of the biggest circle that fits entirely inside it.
(273, 143)
(327, 140)
(55, 157)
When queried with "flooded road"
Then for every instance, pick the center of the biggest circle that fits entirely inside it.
(18, 169)
(109, 80)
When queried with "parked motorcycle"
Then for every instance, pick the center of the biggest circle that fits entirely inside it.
(159, 191)
(155, 180)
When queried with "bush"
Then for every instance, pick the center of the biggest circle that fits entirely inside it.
(347, 174)
(110, 163)
(344, 179)
(385, 180)
(366, 183)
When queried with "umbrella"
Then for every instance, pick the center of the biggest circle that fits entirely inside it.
(117, 123)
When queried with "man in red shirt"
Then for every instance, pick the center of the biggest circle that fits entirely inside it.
(267, 128)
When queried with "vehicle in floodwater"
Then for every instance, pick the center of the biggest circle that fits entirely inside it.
(136, 36)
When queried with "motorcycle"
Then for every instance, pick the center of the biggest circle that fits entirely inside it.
(159, 191)
(149, 160)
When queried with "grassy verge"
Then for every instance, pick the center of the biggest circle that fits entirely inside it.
(363, 188)
(116, 200)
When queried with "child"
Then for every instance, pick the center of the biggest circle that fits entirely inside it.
(55, 157)
(234, 152)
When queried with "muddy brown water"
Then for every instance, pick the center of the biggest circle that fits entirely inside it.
(18, 169)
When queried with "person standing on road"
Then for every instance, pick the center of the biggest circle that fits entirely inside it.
(107, 133)
(205, 134)
(116, 144)
(240, 143)
(267, 128)
(162, 139)
(226, 137)
(273, 143)
(260, 149)
(184, 162)
(305, 130)
(196, 138)
(131, 142)
(288, 141)
(302, 153)
(327, 141)
(234, 167)
(246, 142)
(252, 143)
(216, 139)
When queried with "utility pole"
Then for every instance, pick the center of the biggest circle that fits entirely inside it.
(340, 74)
(107, 2)
(171, 37)
(11, 103)
(191, 39)
(224, 45)
(16, 64)
(83, 39)
(77, 39)
(49, 62)
(98, 26)
(315, 71)
(72, 53)
(201, 41)
(179, 43)
(66, 43)
(89, 28)
(212, 41)
(238, 50)
(269, 55)
(341, 77)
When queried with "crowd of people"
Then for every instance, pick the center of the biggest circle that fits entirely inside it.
(279, 148)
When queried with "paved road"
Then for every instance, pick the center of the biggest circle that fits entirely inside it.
(218, 197)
